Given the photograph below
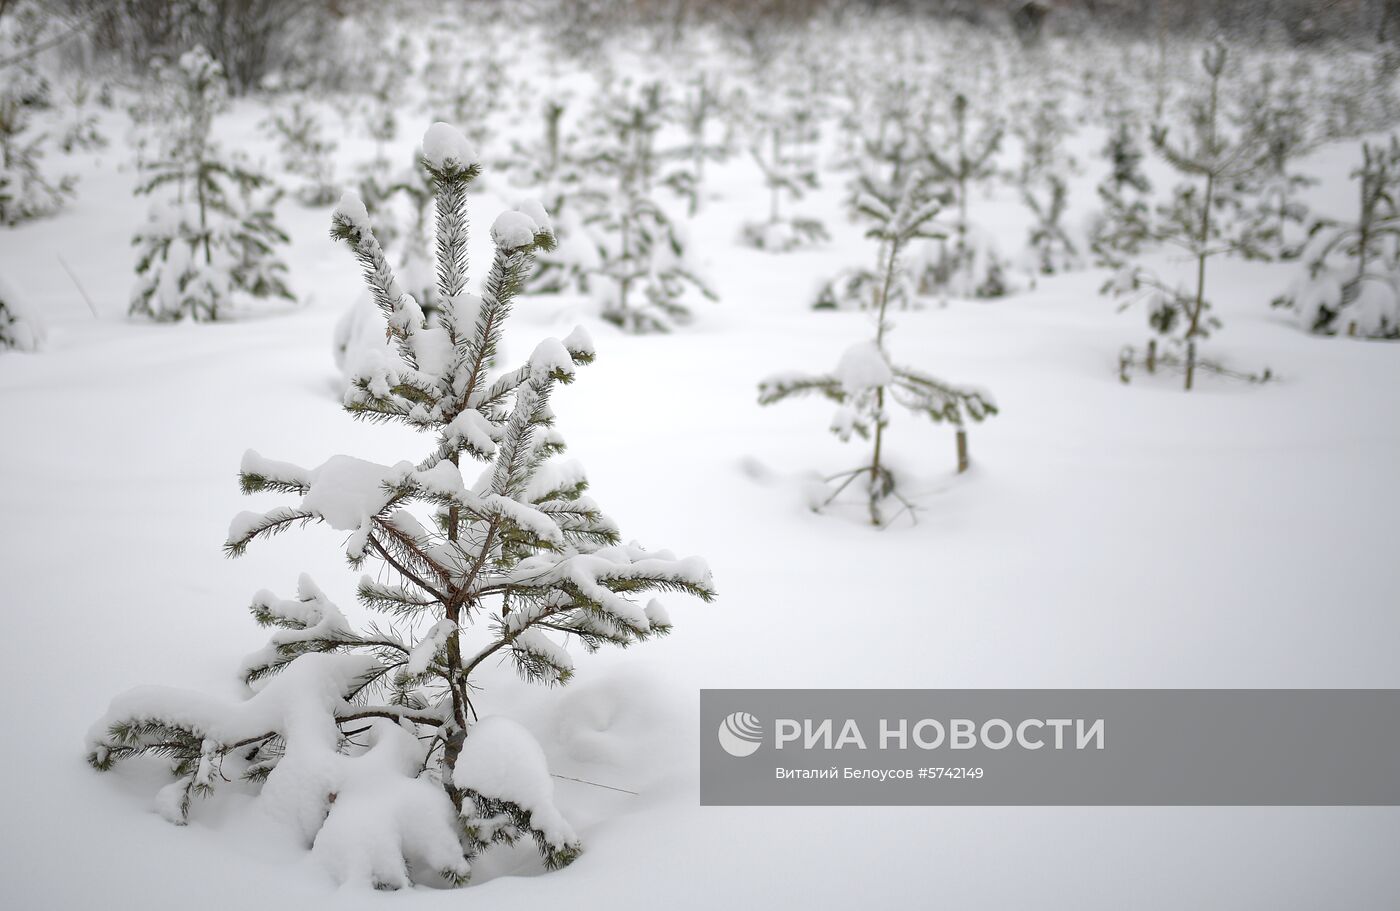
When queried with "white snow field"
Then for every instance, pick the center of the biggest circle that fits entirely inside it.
(1108, 535)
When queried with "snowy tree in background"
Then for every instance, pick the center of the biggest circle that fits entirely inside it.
(865, 382)
(962, 157)
(1273, 110)
(466, 88)
(1352, 284)
(1125, 222)
(1195, 221)
(701, 102)
(385, 76)
(369, 737)
(1053, 249)
(645, 275)
(786, 172)
(82, 132)
(25, 192)
(209, 242)
(18, 328)
(306, 152)
(891, 151)
(551, 167)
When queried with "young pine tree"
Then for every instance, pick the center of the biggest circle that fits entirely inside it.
(551, 167)
(1125, 222)
(25, 192)
(788, 173)
(372, 738)
(1196, 221)
(1054, 250)
(306, 152)
(891, 150)
(865, 382)
(644, 275)
(1352, 285)
(968, 268)
(209, 242)
(82, 131)
(699, 106)
(1276, 112)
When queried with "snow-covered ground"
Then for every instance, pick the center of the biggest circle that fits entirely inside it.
(1109, 535)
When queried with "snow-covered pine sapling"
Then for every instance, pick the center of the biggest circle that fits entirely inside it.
(19, 330)
(1050, 243)
(644, 275)
(81, 132)
(1195, 221)
(466, 88)
(1125, 222)
(891, 149)
(1276, 111)
(697, 109)
(374, 739)
(865, 382)
(306, 152)
(1042, 129)
(550, 168)
(970, 158)
(1352, 284)
(385, 80)
(785, 173)
(25, 193)
(210, 238)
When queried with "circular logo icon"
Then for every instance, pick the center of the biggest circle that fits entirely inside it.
(741, 734)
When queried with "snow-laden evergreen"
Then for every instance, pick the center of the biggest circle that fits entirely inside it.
(26, 191)
(646, 279)
(1352, 280)
(306, 153)
(373, 740)
(208, 247)
(1196, 221)
(865, 381)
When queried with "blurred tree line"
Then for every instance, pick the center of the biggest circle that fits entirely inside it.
(254, 38)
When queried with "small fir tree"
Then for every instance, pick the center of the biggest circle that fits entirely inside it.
(211, 237)
(891, 150)
(1196, 221)
(865, 382)
(370, 738)
(644, 276)
(968, 268)
(1050, 243)
(25, 192)
(785, 173)
(1268, 197)
(553, 168)
(306, 152)
(82, 132)
(699, 106)
(1352, 281)
(1125, 222)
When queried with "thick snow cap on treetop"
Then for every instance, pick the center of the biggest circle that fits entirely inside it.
(445, 148)
(351, 210)
(518, 228)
